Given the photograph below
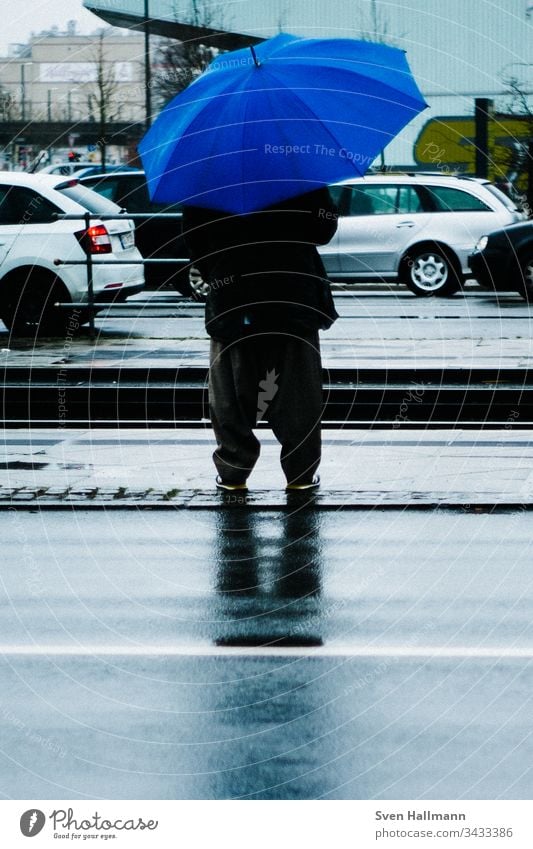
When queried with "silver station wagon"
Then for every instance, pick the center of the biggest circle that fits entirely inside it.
(417, 229)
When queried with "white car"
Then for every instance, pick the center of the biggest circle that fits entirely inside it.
(33, 240)
(65, 169)
(417, 229)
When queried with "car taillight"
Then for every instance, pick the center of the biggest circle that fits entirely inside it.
(94, 240)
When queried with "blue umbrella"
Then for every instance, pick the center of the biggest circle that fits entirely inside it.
(268, 123)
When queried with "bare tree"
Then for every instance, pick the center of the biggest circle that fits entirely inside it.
(378, 26)
(102, 94)
(178, 63)
(8, 106)
(378, 30)
(518, 156)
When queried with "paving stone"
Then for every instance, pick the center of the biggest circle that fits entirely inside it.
(56, 490)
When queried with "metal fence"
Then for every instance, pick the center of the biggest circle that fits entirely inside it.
(91, 305)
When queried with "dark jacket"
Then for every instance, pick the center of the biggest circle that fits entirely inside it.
(264, 270)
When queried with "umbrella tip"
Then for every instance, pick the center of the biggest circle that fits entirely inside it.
(256, 60)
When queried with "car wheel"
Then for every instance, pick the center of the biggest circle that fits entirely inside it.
(429, 271)
(526, 273)
(27, 304)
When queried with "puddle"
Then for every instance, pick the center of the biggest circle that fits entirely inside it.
(23, 465)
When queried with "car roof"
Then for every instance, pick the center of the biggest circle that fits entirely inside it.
(21, 178)
(46, 183)
(435, 178)
(517, 227)
(130, 173)
(81, 163)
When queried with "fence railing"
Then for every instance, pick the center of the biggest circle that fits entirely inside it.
(91, 305)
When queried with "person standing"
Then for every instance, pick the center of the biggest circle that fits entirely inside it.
(268, 297)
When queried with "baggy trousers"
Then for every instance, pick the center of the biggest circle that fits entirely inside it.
(273, 377)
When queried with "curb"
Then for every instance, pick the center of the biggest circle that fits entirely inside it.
(120, 498)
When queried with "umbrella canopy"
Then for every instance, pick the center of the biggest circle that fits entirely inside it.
(268, 123)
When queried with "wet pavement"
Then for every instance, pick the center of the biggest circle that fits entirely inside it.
(172, 468)
(242, 654)
(378, 328)
(161, 641)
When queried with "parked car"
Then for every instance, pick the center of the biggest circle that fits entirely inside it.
(32, 238)
(81, 168)
(89, 170)
(156, 238)
(417, 229)
(503, 260)
(65, 169)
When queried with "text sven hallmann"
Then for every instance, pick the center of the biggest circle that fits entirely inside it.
(419, 815)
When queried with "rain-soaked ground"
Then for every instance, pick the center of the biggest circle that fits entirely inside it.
(245, 653)
(293, 652)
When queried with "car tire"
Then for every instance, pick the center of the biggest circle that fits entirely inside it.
(27, 304)
(429, 271)
(526, 276)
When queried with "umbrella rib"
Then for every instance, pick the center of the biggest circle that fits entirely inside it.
(388, 88)
(223, 93)
(316, 118)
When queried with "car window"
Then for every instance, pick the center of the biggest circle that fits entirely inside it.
(134, 195)
(92, 201)
(169, 207)
(106, 188)
(7, 211)
(20, 205)
(447, 199)
(372, 200)
(408, 200)
(335, 193)
(502, 197)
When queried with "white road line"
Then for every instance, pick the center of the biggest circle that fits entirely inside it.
(436, 652)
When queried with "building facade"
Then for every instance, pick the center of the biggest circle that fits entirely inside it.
(59, 76)
(64, 92)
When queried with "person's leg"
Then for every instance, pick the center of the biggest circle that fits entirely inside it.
(233, 406)
(296, 409)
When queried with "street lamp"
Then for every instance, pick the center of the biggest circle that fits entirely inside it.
(147, 67)
(23, 89)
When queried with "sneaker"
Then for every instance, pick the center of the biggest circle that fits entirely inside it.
(300, 487)
(230, 487)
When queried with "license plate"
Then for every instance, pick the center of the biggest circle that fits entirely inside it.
(126, 240)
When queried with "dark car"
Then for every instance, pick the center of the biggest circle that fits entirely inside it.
(157, 237)
(89, 170)
(503, 260)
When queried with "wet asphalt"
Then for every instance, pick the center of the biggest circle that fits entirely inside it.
(273, 654)
(247, 654)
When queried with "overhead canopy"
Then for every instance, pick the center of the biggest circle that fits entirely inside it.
(163, 21)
